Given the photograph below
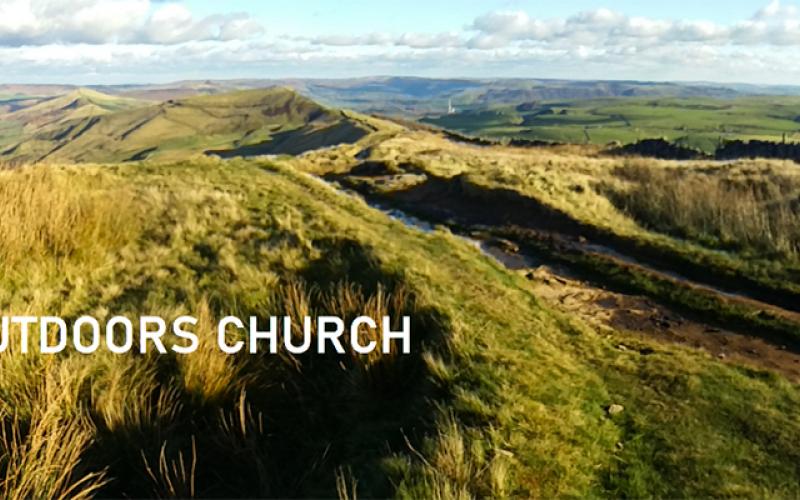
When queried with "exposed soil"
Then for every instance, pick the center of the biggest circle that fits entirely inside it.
(640, 316)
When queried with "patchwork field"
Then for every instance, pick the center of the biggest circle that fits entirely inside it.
(700, 123)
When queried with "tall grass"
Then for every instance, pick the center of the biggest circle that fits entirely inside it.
(755, 210)
(47, 212)
(42, 454)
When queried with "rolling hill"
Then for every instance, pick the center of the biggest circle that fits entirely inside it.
(506, 393)
(75, 105)
(413, 96)
(263, 121)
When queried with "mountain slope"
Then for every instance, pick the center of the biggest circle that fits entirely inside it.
(225, 122)
(23, 117)
(412, 96)
(75, 105)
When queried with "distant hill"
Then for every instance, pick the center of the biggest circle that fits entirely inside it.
(265, 121)
(77, 104)
(24, 115)
(414, 96)
(411, 96)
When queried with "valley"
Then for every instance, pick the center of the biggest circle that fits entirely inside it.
(698, 123)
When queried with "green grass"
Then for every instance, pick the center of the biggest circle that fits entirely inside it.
(502, 397)
(695, 122)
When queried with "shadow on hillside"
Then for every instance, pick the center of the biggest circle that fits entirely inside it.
(306, 416)
(295, 142)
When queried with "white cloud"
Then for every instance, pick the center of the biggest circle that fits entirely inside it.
(41, 22)
(94, 41)
(775, 24)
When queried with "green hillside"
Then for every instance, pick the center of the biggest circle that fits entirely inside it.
(502, 396)
(220, 122)
(78, 104)
(694, 122)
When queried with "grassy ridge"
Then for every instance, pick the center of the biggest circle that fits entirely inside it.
(581, 186)
(502, 396)
(78, 129)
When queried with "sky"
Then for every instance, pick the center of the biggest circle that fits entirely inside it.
(156, 41)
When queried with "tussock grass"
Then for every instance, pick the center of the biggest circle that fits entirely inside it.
(42, 454)
(209, 374)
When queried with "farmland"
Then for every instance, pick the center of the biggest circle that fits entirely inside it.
(700, 123)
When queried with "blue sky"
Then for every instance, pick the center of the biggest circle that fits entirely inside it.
(137, 41)
(420, 15)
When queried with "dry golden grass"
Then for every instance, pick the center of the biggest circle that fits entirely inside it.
(749, 207)
(376, 371)
(46, 212)
(209, 374)
(41, 456)
(501, 397)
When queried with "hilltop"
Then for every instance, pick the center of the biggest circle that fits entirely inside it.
(267, 121)
(413, 96)
(74, 105)
(505, 393)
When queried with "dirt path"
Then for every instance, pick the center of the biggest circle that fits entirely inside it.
(455, 204)
(644, 318)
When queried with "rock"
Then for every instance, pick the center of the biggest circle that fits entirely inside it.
(504, 245)
(615, 409)
(622, 347)
(721, 355)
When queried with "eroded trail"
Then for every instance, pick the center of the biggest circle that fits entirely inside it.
(645, 318)
(535, 240)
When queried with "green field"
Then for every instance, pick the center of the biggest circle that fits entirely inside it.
(694, 122)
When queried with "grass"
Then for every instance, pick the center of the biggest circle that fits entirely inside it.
(578, 182)
(699, 123)
(743, 209)
(501, 396)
